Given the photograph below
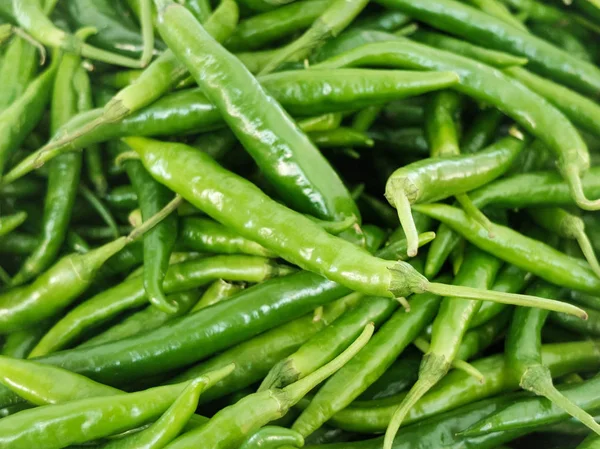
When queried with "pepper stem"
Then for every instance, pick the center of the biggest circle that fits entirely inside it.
(155, 219)
(423, 346)
(433, 368)
(538, 380)
(407, 222)
(296, 391)
(147, 32)
(573, 178)
(505, 298)
(588, 251)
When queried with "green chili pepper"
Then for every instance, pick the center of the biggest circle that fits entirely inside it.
(435, 179)
(400, 376)
(324, 122)
(397, 249)
(120, 79)
(21, 117)
(17, 243)
(131, 293)
(509, 279)
(18, 74)
(259, 130)
(61, 284)
(254, 358)
(43, 426)
(271, 26)
(19, 344)
(591, 326)
(369, 364)
(458, 388)
(42, 384)
(121, 198)
(158, 242)
(541, 188)
(409, 142)
(338, 15)
(537, 411)
(271, 437)
(340, 137)
(147, 319)
(480, 337)
(562, 38)
(63, 178)
(301, 92)
(478, 270)
(467, 22)
(524, 359)
(485, 55)
(169, 425)
(489, 85)
(9, 223)
(232, 425)
(499, 10)
(591, 442)
(277, 230)
(568, 226)
(218, 291)
(328, 343)
(515, 248)
(204, 235)
(22, 189)
(440, 126)
(30, 16)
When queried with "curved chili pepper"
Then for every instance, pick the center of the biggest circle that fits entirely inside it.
(301, 92)
(540, 188)
(368, 365)
(271, 26)
(277, 230)
(21, 117)
(229, 427)
(271, 437)
(523, 353)
(491, 57)
(568, 226)
(515, 248)
(490, 85)
(478, 270)
(434, 179)
(460, 19)
(61, 284)
(170, 424)
(528, 412)
(254, 358)
(217, 292)
(40, 427)
(159, 241)
(131, 293)
(204, 235)
(63, 178)
(458, 388)
(147, 319)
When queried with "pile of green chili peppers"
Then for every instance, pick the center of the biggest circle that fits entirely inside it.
(262, 224)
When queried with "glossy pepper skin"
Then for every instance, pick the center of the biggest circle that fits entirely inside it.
(272, 437)
(513, 247)
(477, 26)
(490, 85)
(300, 92)
(266, 131)
(63, 179)
(131, 293)
(200, 335)
(159, 241)
(459, 388)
